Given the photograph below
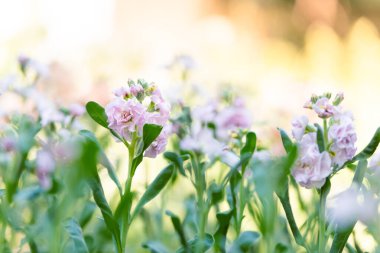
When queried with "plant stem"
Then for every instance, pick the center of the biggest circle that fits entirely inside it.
(325, 133)
(322, 217)
(127, 191)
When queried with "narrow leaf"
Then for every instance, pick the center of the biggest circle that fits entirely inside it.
(177, 160)
(179, 229)
(246, 242)
(154, 247)
(197, 245)
(154, 188)
(286, 141)
(220, 235)
(76, 236)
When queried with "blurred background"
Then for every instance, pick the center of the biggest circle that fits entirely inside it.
(274, 53)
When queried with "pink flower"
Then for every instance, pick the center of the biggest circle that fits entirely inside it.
(232, 118)
(343, 136)
(298, 127)
(125, 116)
(8, 143)
(158, 146)
(77, 110)
(314, 173)
(323, 108)
(135, 89)
(51, 115)
(45, 165)
(122, 92)
(206, 113)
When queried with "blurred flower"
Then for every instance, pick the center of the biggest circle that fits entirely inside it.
(374, 163)
(27, 63)
(323, 108)
(158, 145)
(77, 110)
(8, 143)
(45, 165)
(352, 205)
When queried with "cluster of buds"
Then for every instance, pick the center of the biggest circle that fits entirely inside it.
(135, 105)
(313, 167)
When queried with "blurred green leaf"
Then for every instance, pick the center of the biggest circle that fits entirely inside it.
(286, 141)
(76, 236)
(86, 213)
(196, 245)
(88, 166)
(103, 158)
(320, 141)
(246, 242)
(249, 147)
(154, 247)
(220, 235)
(154, 188)
(179, 230)
(177, 160)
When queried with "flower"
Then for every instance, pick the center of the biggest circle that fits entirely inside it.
(158, 145)
(77, 110)
(314, 173)
(125, 116)
(323, 108)
(299, 125)
(343, 137)
(8, 143)
(45, 165)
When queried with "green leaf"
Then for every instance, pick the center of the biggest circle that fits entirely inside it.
(177, 160)
(245, 243)
(196, 245)
(368, 151)
(179, 229)
(150, 133)
(154, 188)
(154, 247)
(103, 159)
(320, 141)
(86, 213)
(249, 147)
(286, 141)
(342, 234)
(220, 235)
(76, 236)
(215, 193)
(87, 165)
(97, 113)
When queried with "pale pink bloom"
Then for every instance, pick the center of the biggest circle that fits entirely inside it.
(229, 158)
(206, 113)
(239, 102)
(323, 108)
(77, 110)
(125, 116)
(122, 92)
(313, 174)
(231, 119)
(343, 137)
(262, 155)
(158, 146)
(309, 151)
(298, 127)
(51, 115)
(136, 89)
(352, 205)
(45, 165)
(8, 143)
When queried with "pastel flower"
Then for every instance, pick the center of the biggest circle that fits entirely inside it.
(8, 144)
(298, 127)
(374, 163)
(122, 92)
(51, 115)
(158, 145)
(206, 113)
(77, 110)
(313, 174)
(45, 165)
(135, 89)
(232, 118)
(323, 108)
(125, 116)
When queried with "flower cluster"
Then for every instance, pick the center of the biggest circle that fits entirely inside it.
(211, 129)
(135, 105)
(315, 165)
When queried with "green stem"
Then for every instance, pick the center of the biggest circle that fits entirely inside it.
(325, 133)
(126, 222)
(322, 217)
